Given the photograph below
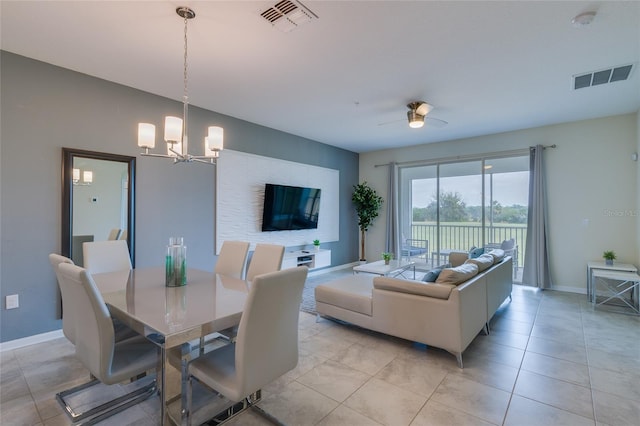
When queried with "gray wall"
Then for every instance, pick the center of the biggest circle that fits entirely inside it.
(45, 108)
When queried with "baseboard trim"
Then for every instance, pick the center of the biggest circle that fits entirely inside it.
(31, 340)
(568, 289)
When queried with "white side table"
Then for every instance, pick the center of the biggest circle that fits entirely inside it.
(615, 284)
(599, 265)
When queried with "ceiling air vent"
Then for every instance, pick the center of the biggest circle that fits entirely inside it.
(287, 15)
(602, 77)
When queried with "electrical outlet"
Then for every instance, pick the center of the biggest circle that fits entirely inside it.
(12, 301)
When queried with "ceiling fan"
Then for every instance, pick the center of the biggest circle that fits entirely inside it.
(417, 115)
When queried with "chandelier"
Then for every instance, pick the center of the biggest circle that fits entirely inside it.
(175, 128)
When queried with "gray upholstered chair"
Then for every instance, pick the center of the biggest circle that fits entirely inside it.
(266, 346)
(106, 256)
(108, 361)
(68, 323)
(266, 258)
(232, 260)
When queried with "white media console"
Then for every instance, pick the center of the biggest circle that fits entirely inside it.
(313, 259)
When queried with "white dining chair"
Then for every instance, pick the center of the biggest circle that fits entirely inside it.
(108, 361)
(68, 322)
(266, 346)
(266, 258)
(106, 256)
(232, 259)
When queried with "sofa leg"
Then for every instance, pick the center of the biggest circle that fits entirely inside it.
(318, 317)
(459, 359)
(510, 298)
(486, 328)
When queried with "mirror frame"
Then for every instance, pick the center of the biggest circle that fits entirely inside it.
(68, 155)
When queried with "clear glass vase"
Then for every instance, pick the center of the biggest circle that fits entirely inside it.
(176, 263)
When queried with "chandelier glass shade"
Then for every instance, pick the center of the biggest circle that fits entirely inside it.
(175, 128)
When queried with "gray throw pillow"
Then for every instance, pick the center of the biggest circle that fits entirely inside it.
(432, 275)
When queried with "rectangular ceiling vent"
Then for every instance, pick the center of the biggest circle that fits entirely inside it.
(287, 15)
(597, 78)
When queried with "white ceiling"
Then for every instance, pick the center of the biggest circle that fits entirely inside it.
(487, 67)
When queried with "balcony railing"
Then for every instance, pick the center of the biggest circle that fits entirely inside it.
(464, 236)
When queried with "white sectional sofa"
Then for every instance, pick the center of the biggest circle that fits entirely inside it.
(444, 315)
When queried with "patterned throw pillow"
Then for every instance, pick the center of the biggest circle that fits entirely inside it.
(475, 252)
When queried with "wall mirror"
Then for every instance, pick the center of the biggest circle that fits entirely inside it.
(98, 200)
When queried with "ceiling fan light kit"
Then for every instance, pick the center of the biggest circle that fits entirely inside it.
(417, 112)
(415, 120)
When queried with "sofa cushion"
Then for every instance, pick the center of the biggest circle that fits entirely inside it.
(439, 291)
(352, 292)
(432, 275)
(497, 254)
(483, 262)
(475, 252)
(457, 275)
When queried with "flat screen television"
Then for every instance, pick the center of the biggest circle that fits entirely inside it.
(290, 208)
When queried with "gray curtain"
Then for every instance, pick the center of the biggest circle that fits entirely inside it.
(392, 242)
(536, 260)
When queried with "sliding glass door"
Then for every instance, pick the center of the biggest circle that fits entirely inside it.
(460, 205)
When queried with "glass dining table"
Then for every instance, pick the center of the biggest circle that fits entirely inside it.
(173, 316)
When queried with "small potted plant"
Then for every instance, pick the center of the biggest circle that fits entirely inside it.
(609, 256)
(316, 244)
(387, 257)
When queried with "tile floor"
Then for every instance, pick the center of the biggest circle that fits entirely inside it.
(549, 360)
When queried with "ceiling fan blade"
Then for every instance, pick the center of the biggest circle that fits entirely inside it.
(435, 122)
(424, 108)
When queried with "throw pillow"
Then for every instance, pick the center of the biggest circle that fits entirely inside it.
(475, 252)
(457, 275)
(432, 275)
(484, 261)
(497, 254)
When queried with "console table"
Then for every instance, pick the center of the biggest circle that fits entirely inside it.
(312, 259)
(599, 265)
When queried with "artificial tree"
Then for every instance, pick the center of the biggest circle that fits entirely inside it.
(367, 204)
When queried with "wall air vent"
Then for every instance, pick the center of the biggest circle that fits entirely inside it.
(287, 15)
(596, 78)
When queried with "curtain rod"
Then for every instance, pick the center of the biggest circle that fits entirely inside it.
(496, 154)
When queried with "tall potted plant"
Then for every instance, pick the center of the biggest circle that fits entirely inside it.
(367, 204)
